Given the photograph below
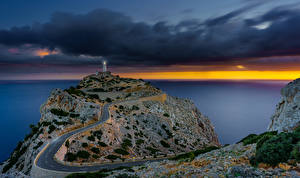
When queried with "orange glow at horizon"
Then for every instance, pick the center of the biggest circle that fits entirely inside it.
(44, 52)
(217, 75)
(240, 67)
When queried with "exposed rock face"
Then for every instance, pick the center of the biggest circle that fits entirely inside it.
(287, 114)
(144, 122)
(70, 111)
(147, 128)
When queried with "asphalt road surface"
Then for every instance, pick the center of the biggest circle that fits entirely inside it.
(46, 159)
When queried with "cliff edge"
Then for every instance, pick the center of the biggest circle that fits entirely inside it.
(143, 122)
(287, 114)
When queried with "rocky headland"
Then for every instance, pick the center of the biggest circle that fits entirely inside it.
(144, 123)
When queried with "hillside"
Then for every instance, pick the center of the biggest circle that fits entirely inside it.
(143, 123)
(274, 153)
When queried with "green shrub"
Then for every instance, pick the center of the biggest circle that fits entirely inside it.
(126, 143)
(191, 155)
(166, 115)
(276, 149)
(253, 138)
(75, 91)
(152, 150)
(91, 138)
(121, 151)
(67, 144)
(108, 100)
(70, 157)
(95, 150)
(170, 135)
(95, 156)
(93, 96)
(51, 129)
(97, 90)
(112, 157)
(296, 152)
(38, 145)
(262, 141)
(139, 141)
(73, 115)
(102, 144)
(83, 154)
(164, 144)
(248, 139)
(59, 112)
(134, 107)
(84, 144)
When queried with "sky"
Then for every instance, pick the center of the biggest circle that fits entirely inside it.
(158, 39)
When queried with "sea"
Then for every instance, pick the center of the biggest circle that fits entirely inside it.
(235, 108)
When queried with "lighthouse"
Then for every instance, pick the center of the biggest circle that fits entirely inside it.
(104, 69)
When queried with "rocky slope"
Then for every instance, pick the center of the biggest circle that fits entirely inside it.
(229, 161)
(287, 114)
(144, 123)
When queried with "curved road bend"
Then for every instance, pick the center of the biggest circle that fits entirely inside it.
(46, 159)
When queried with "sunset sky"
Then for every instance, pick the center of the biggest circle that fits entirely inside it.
(157, 39)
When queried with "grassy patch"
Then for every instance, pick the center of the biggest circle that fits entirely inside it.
(191, 155)
(253, 138)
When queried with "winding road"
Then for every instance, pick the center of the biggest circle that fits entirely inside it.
(46, 158)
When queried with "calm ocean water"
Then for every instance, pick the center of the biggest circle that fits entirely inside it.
(235, 108)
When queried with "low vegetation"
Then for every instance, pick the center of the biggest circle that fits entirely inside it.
(99, 174)
(59, 112)
(121, 151)
(102, 144)
(74, 91)
(164, 144)
(275, 149)
(191, 155)
(80, 154)
(253, 138)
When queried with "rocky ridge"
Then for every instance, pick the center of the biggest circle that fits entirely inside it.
(287, 113)
(144, 122)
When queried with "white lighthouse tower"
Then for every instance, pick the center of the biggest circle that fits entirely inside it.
(104, 69)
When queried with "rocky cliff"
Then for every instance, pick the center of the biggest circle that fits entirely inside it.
(287, 114)
(144, 123)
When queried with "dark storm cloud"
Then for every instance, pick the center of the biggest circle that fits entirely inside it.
(116, 36)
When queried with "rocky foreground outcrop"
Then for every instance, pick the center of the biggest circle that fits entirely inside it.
(144, 122)
(230, 161)
(287, 114)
